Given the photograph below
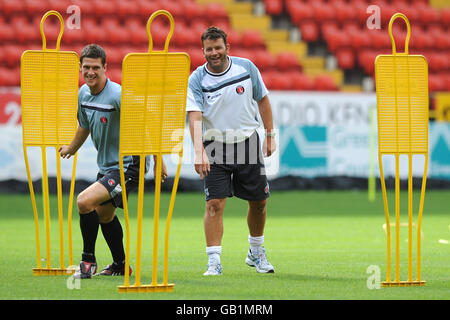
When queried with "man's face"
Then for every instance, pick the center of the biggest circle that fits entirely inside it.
(215, 52)
(93, 71)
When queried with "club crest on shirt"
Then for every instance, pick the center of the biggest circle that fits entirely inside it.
(104, 120)
(240, 89)
(111, 182)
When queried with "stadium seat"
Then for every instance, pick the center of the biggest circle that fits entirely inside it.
(12, 54)
(127, 9)
(59, 5)
(252, 39)
(234, 38)
(344, 12)
(288, 61)
(36, 7)
(323, 11)
(325, 83)
(193, 10)
(445, 17)
(345, 58)
(12, 7)
(300, 81)
(197, 58)
(276, 80)
(146, 8)
(264, 60)
(309, 31)
(338, 40)
(105, 8)
(215, 12)
(299, 11)
(7, 32)
(86, 7)
(274, 7)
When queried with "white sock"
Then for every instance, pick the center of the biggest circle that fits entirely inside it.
(213, 253)
(255, 243)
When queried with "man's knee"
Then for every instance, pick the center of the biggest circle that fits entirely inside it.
(214, 207)
(258, 206)
(84, 204)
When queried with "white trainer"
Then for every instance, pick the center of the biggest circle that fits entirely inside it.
(259, 260)
(214, 269)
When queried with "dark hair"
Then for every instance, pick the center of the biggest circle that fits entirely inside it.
(93, 51)
(213, 33)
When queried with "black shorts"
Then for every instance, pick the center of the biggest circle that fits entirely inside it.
(111, 181)
(236, 169)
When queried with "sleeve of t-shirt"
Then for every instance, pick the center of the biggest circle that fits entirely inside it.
(82, 119)
(259, 88)
(194, 100)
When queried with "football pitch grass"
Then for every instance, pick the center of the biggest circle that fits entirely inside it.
(320, 243)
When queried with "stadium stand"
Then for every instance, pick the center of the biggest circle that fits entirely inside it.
(293, 42)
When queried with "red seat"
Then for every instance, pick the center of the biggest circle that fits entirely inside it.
(428, 15)
(183, 36)
(36, 7)
(12, 7)
(59, 5)
(278, 81)
(344, 12)
(193, 10)
(264, 60)
(445, 17)
(288, 61)
(436, 83)
(323, 12)
(197, 58)
(325, 83)
(299, 11)
(173, 7)
(380, 39)
(105, 8)
(215, 12)
(234, 38)
(361, 40)
(252, 39)
(113, 56)
(126, 9)
(274, 7)
(300, 81)
(86, 6)
(338, 40)
(346, 59)
(117, 35)
(115, 75)
(437, 62)
(26, 33)
(310, 31)
(7, 32)
(366, 59)
(12, 54)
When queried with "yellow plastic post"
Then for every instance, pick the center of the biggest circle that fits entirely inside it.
(152, 121)
(49, 98)
(402, 109)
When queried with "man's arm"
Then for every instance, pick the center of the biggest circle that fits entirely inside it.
(201, 159)
(265, 110)
(80, 137)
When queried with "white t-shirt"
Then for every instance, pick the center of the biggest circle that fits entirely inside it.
(227, 100)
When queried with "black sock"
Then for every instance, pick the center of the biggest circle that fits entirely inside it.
(89, 230)
(113, 234)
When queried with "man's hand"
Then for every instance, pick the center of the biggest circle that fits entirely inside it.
(66, 152)
(202, 164)
(163, 169)
(269, 146)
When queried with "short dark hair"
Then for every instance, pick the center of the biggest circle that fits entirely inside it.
(93, 51)
(214, 33)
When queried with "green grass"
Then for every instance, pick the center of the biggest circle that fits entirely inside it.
(321, 244)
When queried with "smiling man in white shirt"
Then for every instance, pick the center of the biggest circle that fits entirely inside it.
(224, 98)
